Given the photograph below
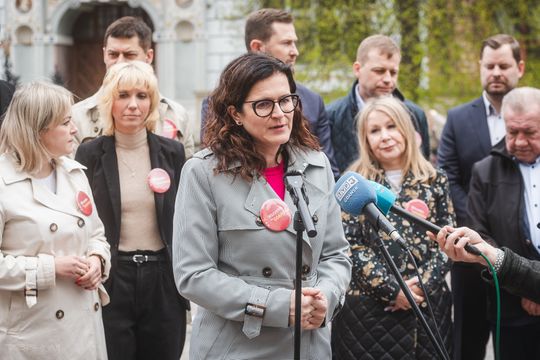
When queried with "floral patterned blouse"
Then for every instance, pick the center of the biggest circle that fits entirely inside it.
(370, 274)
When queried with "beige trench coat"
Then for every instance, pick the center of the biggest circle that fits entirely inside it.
(35, 226)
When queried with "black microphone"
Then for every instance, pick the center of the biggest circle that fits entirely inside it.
(356, 196)
(385, 201)
(294, 180)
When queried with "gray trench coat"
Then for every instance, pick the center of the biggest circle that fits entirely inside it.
(224, 258)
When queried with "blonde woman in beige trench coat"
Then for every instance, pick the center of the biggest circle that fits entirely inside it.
(53, 253)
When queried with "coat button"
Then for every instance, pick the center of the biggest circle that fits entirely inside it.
(305, 269)
(53, 227)
(267, 271)
(96, 129)
(96, 306)
(258, 221)
(59, 314)
(80, 222)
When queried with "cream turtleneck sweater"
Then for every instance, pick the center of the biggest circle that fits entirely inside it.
(139, 226)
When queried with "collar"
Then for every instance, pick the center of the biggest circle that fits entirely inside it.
(490, 109)
(299, 159)
(92, 101)
(359, 101)
(11, 174)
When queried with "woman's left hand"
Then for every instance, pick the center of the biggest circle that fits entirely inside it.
(92, 278)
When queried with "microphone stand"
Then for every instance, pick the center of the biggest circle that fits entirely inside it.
(408, 295)
(302, 222)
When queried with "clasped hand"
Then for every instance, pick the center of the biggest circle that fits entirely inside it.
(85, 271)
(313, 308)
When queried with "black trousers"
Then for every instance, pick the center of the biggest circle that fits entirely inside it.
(471, 327)
(519, 342)
(146, 318)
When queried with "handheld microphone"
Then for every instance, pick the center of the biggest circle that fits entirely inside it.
(294, 181)
(385, 202)
(356, 196)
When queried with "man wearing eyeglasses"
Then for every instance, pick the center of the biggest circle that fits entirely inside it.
(271, 31)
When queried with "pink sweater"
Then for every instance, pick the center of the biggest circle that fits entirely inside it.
(274, 176)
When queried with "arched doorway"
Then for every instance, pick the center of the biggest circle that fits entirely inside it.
(83, 69)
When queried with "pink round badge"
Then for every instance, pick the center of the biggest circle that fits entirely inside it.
(418, 207)
(169, 129)
(275, 215)
(84, 203)
(158, 180)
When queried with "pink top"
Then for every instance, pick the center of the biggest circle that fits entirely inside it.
(274, 176)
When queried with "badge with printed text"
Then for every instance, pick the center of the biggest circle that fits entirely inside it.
(418, 207)
(84, 203)
(169, 129)
(275, 215)
(158, 180)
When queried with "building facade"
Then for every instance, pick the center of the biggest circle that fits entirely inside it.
(63, 39)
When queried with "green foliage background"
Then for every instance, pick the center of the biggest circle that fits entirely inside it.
(440, 42)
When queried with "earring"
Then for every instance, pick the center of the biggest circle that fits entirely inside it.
(238, 123)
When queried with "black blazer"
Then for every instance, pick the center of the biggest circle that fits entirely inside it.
(464, 141)
(99, 157)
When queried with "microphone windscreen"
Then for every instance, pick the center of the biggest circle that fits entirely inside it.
(353, 192)
(385, 197)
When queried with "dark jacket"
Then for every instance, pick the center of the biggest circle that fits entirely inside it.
(464, 141)
(99, 156)
(342, 118)
(313, 109)
(497, 211)
(518, 276)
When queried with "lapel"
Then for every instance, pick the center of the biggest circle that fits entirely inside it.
(112, 179)
(260, 190)
(479, 126)
(65, 198)
(158, 161)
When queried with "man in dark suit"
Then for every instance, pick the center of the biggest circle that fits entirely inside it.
(470, 132)
(272, 32)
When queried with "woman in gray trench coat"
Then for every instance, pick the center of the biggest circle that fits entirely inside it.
(230, 257)
(53, 253)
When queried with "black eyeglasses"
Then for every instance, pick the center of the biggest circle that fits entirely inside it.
(265, 107)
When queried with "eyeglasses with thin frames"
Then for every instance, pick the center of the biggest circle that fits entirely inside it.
(265, 107)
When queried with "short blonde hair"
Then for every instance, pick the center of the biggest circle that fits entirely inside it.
(125, 76)
(35, 107)
(383, 43)
(367, 165)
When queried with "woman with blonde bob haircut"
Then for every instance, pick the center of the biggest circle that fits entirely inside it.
(134, 174)
(135, 74)
(390, 155)
(52, 242)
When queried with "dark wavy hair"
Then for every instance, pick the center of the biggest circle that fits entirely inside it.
(232, 144)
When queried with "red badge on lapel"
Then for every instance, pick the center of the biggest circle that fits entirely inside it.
(418, 207)
(169, 129)
(84, 203)
(158, 180)
(275, 215)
